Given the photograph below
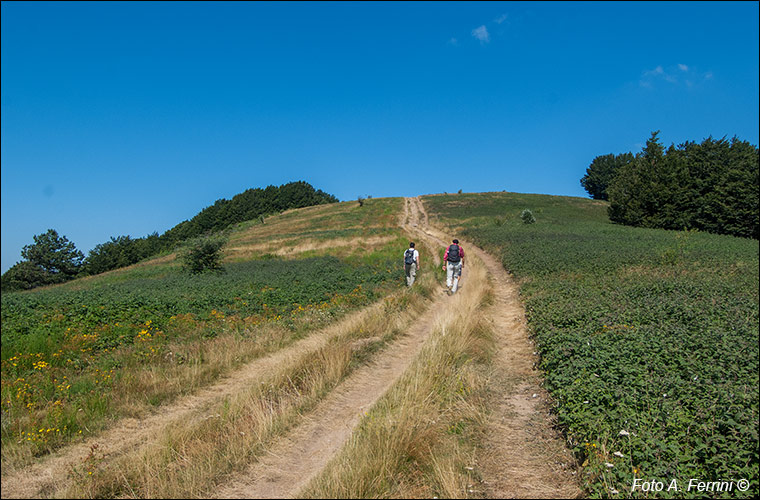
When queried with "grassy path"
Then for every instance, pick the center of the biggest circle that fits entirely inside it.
(524, 456)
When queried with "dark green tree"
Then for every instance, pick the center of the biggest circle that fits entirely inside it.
(633, 191)
(24, 276)
(50, 259)
(711, 186)
(600, 173)
(55, 255)
(248, 205)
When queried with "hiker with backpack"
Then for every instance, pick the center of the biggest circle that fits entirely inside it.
(453, 264)
(411, 264)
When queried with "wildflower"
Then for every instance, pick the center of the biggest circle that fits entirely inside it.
(618, 454)
(624, 433)
(609, 465)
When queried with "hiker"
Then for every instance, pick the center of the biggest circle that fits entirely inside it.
(411, 264)
(453, 264)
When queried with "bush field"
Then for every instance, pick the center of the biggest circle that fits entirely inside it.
(648, 338)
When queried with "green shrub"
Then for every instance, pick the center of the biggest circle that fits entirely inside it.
(204, 255)
(527, 217)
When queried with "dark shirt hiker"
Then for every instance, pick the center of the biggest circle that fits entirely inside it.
(453, 264)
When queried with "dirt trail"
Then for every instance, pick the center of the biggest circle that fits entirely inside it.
(525, 457)
(50, 474)
(292, 461)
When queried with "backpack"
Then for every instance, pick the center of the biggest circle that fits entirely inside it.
(453, 253)
(409, 256)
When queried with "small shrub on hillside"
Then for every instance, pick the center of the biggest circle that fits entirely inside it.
(204, 255)
(527, 217)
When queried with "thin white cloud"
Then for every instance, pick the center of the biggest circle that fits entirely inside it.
(657, 71)
(453, 41)
(481, 33)
(678, 74)
(500, 19)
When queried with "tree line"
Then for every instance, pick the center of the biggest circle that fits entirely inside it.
(54, 259)
(710, 186)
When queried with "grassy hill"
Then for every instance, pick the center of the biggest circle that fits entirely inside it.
(648, 338)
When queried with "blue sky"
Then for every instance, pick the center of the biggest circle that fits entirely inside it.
(128, 118)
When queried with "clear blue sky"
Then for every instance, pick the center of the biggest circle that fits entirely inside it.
(128, 118)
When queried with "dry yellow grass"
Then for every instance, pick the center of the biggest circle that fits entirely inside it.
(291, 247)
(301, 223)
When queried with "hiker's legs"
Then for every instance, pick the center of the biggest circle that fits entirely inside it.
(449, 273)
(457, 272)
(411, 273)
